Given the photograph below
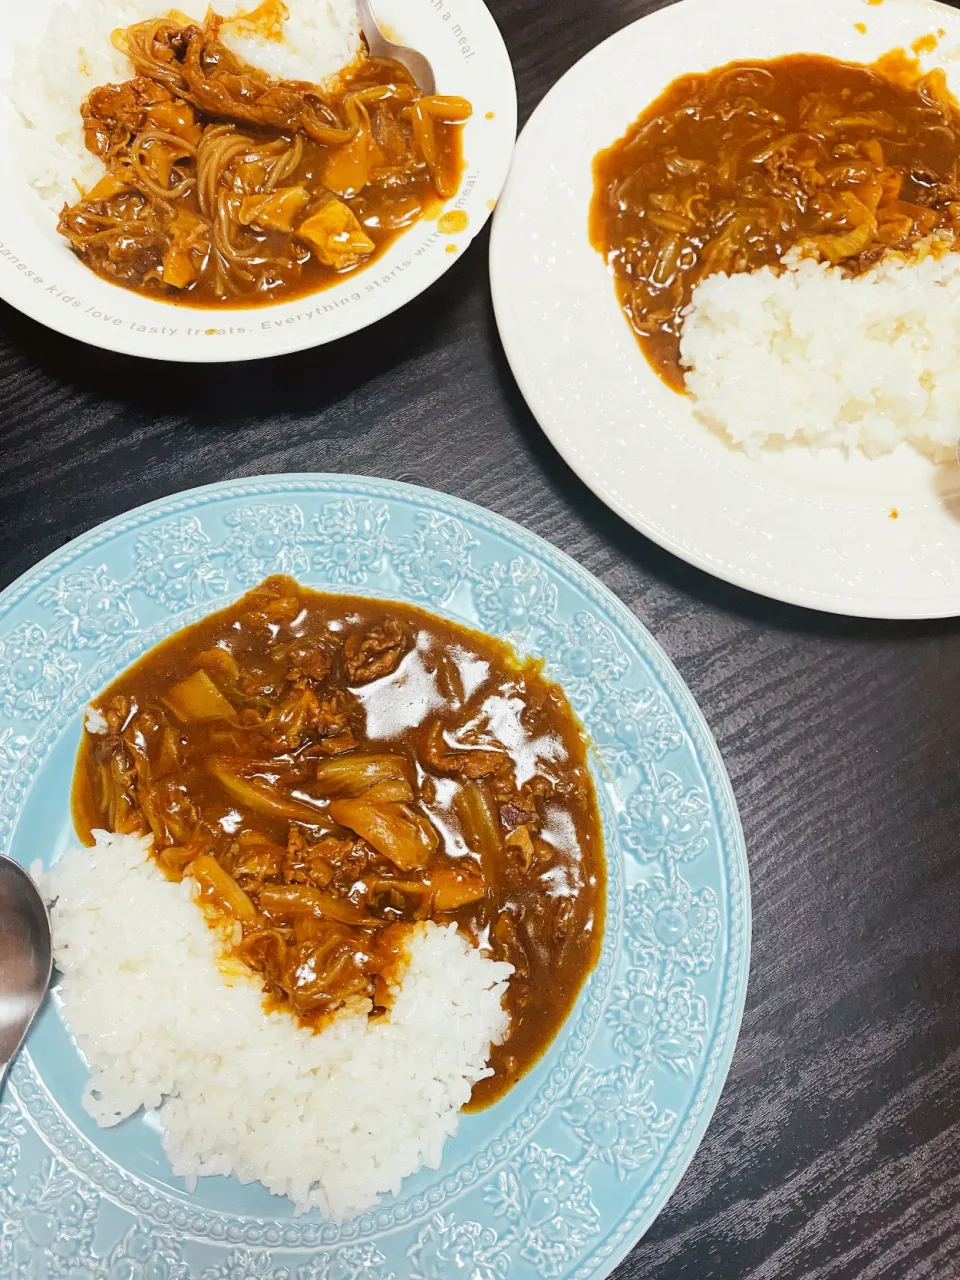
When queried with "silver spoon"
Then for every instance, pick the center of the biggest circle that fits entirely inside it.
(381, 47)
(26, 958)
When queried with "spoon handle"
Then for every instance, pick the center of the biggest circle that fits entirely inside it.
(368, 21)
(380, 47)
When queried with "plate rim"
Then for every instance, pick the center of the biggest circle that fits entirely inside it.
(867, 606)
(634, 1224)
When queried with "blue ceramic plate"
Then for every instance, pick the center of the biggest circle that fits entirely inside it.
(562, 1176)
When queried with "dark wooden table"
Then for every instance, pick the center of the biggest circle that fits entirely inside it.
(835, 1150)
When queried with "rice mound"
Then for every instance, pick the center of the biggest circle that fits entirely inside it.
(53, 77)
(331, 1120)
(810, 354)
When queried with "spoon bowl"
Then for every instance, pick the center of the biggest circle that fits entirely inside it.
(26, 958)
(381, 47)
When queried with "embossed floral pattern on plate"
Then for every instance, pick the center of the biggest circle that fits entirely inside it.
(561, 1177)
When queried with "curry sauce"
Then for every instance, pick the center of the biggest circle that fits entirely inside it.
(329, 770)
(728, 171)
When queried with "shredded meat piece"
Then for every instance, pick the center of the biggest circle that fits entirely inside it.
(785, 176)
(472, 762)
(375, 654)
(114, 114)
(172, 815)
(944, 193)
(255, 684)
(355, 862)
(520, 807)
(334, 713)
(221, 85)
(305, 863)
(123, 238)
(310, 662)
(512, 815)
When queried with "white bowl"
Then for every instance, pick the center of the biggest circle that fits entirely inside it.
(41, 276)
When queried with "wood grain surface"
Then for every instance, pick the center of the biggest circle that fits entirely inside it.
(835, 1150)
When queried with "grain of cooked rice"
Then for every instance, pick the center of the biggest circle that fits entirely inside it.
(332, 1119)
(94, 721)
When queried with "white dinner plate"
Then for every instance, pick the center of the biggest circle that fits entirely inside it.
(874, 539)
(40, 275)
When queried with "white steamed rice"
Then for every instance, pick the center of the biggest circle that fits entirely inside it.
(811, 355)
(53, 77)
(331, 1120)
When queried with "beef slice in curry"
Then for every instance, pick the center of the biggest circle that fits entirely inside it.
(729, 170)
(331, 769)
